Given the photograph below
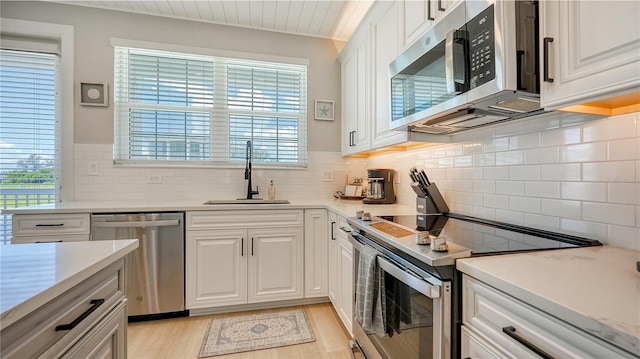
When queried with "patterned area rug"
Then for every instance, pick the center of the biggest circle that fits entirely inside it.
(253, 332)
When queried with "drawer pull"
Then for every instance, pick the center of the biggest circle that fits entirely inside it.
(95, 303)
(511, 331)
(345, 230)
(50, 225)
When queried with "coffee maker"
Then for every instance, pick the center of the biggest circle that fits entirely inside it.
(380, 189)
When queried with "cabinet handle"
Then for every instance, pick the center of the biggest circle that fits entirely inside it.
(242, 248)
(252, 246)
(50, 225)
(333, 234)
(440, 7)
(48, 241)
(511, 331)
(547, 41)
(95, 303)
(429, 17)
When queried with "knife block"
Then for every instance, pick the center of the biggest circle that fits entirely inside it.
(429, 201)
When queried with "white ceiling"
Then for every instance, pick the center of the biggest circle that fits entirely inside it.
(331, 19)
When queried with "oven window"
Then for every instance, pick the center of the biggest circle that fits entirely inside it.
(408, 322)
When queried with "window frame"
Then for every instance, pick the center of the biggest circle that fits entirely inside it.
(65, 132)
(217, 128)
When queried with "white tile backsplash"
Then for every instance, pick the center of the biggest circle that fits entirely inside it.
(581, 178)
(560, 172)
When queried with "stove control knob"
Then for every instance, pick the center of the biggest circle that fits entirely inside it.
(423, 237)
(439, 244)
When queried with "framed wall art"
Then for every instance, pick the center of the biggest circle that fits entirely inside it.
(94, 94)
(324, 110)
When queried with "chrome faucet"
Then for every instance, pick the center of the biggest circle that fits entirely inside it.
(247, 172)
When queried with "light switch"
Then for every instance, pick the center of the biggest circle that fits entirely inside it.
(93, 168)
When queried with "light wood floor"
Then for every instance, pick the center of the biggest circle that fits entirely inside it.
(182, 337)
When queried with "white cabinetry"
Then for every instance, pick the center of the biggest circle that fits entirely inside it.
(592, 48)
(341, 269)
(496, 325)
(416, 17)
(356, 94)
(36, 228)
(89, 320)
(240, 257)
(366, 97)
(316, 251)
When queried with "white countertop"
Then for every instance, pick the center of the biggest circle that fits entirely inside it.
(344, 207)
(596, 289)
(33, 274)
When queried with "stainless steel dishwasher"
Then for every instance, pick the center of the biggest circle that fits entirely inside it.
(155, 271)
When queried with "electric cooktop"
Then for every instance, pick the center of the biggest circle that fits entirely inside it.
(465, 236)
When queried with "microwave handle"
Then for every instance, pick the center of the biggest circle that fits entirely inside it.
(455, 83)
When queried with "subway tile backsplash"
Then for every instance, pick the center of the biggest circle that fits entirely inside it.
(558, 172)
(563, 173)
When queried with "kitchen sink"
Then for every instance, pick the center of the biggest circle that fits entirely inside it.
(246, 201)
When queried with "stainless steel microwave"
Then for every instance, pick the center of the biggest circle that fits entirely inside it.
(477, 66)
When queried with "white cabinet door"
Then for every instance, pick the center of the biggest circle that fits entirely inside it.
(216, 268)
(334, 252)
(417, 17)
(316, 246)
(356, 84)
(593, 50)
(276, 264)
(345, 273)
(385, 48)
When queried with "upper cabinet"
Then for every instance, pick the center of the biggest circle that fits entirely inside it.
(366, 98)
(416, 17)
(590, 51)
(356, 95)
(385, 49)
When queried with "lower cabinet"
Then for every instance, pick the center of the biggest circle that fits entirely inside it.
(87, 321)
(243, 265)
(341, 269)
(497, 325)
(316, 247)
(106, 340)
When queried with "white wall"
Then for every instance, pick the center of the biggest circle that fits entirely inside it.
(94, 29)
(582, 179)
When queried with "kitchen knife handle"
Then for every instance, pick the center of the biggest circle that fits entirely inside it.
(547, 41)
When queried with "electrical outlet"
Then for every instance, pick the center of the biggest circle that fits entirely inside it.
(327, 176)
(93, 168)
(154, 179)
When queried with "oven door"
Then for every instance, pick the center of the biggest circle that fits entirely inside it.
(416, 312)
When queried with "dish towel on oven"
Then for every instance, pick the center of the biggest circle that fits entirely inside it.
(369, 285)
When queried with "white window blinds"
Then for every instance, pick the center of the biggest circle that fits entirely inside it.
(28, 131)
(177, 108)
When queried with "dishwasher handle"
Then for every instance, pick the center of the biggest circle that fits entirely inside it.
(134, 224)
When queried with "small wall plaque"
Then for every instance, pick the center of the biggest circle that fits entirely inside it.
(324, 110)
(94, 94)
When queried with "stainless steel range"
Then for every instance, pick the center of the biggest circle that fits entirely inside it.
(407, 303)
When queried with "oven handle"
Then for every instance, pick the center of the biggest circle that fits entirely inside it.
(410, 279)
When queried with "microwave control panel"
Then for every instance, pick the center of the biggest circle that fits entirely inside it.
(481, 35)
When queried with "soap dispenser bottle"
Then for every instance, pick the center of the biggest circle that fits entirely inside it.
(272, 191)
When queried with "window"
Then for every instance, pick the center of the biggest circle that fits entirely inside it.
(184, 109)
(28, 131)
